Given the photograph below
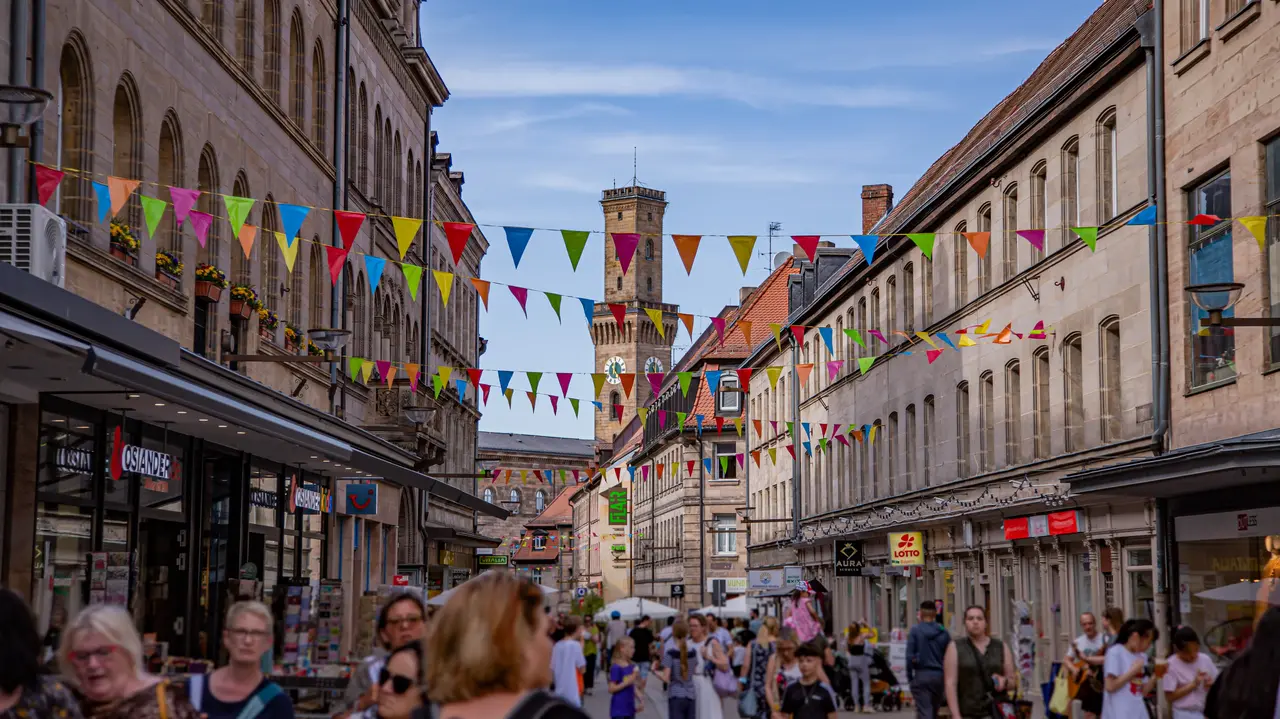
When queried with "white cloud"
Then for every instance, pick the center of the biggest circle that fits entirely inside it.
(561, 181)
(513, 78)
(520, 119)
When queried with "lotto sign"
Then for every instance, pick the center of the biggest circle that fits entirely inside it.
(906, 549)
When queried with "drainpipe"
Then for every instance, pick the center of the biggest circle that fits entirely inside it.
(37, 80)
(795, 442)
(702, 530)
(18, 39)
(338, 299)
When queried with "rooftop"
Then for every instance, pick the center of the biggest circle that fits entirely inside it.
(508, 443)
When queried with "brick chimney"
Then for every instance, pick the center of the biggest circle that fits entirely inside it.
(877, 200)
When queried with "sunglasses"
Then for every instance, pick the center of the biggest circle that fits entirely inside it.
(400, 684)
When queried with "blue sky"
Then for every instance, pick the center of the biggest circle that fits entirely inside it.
(744, 112)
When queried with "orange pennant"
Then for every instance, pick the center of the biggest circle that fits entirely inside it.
(248, 233)
(482, 288)
(120, 190)
(628, 382)
(979, 241)
(802, 371)
(746, 330)
(1005, 337)
(688, 322)
(687, 246)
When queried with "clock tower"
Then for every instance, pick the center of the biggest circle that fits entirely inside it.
(636, 347)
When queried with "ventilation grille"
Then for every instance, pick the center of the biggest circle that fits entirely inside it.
(34, 240)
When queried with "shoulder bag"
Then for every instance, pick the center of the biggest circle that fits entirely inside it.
(1001, 708)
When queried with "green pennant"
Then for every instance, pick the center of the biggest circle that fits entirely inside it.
(680, 418)
(1089, 235)
(554, 299)
(574, 241)
(791, 427)
(574, 403)
(864, 363)
(724, 465)
(237, 210)
(438, 382)
(534, 379)
(153, 210)
(822, 444)
(854, 335)
(924, 240)
(353, 366)
(686, 378)
(413, 276)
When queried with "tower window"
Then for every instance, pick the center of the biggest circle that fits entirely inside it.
(649, 284)
(651, 217)
(648, 247)
(619, 215)
(619, 282)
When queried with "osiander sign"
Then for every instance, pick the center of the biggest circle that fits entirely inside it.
(906, 549)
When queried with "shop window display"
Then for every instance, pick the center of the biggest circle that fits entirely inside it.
(1218, 588)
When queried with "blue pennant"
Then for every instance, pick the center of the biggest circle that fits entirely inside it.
(588, 308)
(462, 388)
(374, 266)
(504, 378)
(698, 418)
(517, 240)
(104, 200)
(291, 217)
(826, 339)
(867, 243)
(713, 379)
(1146, 217)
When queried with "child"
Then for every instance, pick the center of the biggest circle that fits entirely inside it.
(809, 698)
(624, 704)
(1189, 675)
(679, 664)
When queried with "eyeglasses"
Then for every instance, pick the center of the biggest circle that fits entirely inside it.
(254, 634)
(82, 658)
(405, 622)
(400, 684)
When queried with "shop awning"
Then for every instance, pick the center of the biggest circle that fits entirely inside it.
(404, 476)
(29, 331)
(457, 536)
(1222, 465)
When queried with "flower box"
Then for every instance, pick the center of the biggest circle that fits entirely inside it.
(240, 308)
(122, 254)
(208, 290)
(168, 280)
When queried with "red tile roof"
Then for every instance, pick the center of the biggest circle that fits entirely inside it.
(526, 554)
(558, 512)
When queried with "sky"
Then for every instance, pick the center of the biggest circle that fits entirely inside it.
(745, 112)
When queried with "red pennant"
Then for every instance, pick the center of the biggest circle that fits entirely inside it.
(719, 424)
(617, 475)
(628, 382)
(458, 234)
(617, 409)
(688, 467)
(797, 331)
(756, 423)
(755, 454)
(933, 355)
(565, 378)
(619, 312)
(473, 374)
(791, 450)
(337, 257)
(744, 378)
(822, 429)
(47, 181)
(1205, 220)
(719, 324)
(484, 393)
(348, 226)
(808, 243)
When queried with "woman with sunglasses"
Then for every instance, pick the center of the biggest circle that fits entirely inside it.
(240, 690)
(102, 653)
(397, 693)
(402, 620)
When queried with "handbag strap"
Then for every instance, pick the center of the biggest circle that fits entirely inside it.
(982, 670)
(259, 701)
(160, 701)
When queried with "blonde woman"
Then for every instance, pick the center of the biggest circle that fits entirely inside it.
(240, 689)
(489, 654)
(755, 670)
(102, 653)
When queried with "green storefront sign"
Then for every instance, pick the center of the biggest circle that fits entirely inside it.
(492, 560)
(617, 505)
(619, 548)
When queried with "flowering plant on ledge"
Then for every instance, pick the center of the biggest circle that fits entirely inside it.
(313, 350)
(208, 273)
(123, 238)
(267, 319)
(169, 263)
(247, 295)
(291, 335)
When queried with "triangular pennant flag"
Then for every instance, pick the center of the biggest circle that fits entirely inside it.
(724, 464)
(248, 233)
(982, 328)
(349, 224)
(1146, 217)
(979, 241)
(644, 413)
(742, 245)
(826, 333)
(534, 379)
(687, 319)
(808, 449)
(628, 380)
(508, 393)
(791, 428)
(482, 289)
(1037, 332)
(412, 369)
(517, 241)
(1035, 237)
(290, 252)
(574, 241)
(47, 181)
(504, 378)
(933, 354)
(718, 322)
(712, 377)
(924, 240)
(383, 366)
(473, 376)
(877, 334)
(554, 403)
(617, 409)
(152, 210)
(864, 363)
(756, 425)
(119, 188)
(554, 299)
(484, 393)
(522, 296)
(843, 440)
(619, 314)
(855, 336)
(412, 277)
(680, 420)
(1005, 337)
(354, 365)
(871, 433)
(791, 450)
(808, 431)
(737, 423)
(366, 371)
(644, 472)
(200, 223)
(777, 334)
(688, 467)
(774, 424)
(597, 381)
(706, 464)
(237, 210)
(183, 201)
(927, 339)
(533, 400)
(437, 384)
(1257, 226)
(755, 457)
(773, 373)
(655, 381)
(773, 454)
(802, 372)
(625, 244)
(445, 373)
(662, 419)
(103, 193)
(833, 369)
(943, 336)
(373, 266)
(719, 424)
(291, 219)
(574, 404)
(797, 331)
(867, 243)
(337, 256)
(598, 405)
(687, 246)
(808, 243)
(564, 378)
(686, 379)
(444, 281)
(655, 316)
(746, 331)
(966, 342)
(697, 418)
(1203, 220)
(406, 231)
(457, 234)
(391, 375)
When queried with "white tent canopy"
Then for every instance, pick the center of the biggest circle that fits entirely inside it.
(632, 608)
(440, 599)
(735, 608)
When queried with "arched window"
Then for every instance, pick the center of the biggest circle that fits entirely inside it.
(271, 45)
(388, 163)
(648, 284)
(411, 202)
(1013, 413)
(378, 142)
(211, 16)
(987, 421)
(1010, 259)
(359, 320)
(269, 257)
(891, 304)
(353, 116)
(488, 494)
(241, 267)
(984, 263)
(126, 152)
(75, 196)
(297, 287)
(362, 134)
(619, 283)
(648, 249)
(397, 182)
(514, 498)
(540, 501)
(1073, 392)
(245, 12)
(963, 438)
(1070, 187)
(909, 297)
(1110, 378)
(319, 96)
(169, 175)
(615, 406)
(208, 184)
(319, 285)
(297, 71)
(1108, 171)
(1040, 402)
(417, 191)
(1039, 205)
(926, 290)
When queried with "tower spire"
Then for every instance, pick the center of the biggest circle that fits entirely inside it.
(633, 166)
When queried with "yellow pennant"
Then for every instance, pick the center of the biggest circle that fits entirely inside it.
(777, 334)
(773, 455)
(445, 374)
(925, 336)
(290, 254)
(406, 229)
(644, 413)
(965, 341)
(738, 422)
(444, 280)
(366, 370)
(655, 316)
(773, 373)
(982, 328)
(1257, 226)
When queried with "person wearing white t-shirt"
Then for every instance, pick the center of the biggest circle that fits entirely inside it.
(1087, 654)
(567, 662)
(1125, 682)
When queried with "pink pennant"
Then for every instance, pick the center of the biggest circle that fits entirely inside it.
(742, 459)
(522, 295)
(484, 394)
(662, 419)
(719, 325)
(183, 201)
(1037, 332)
(383, 367)
(835, 430)
(644, 472)
(625, 243)
(833, 368)
(877, 335)
(932, 355)
(655, 381)
(554, 403)
(842, 440)
(1035, 237)
(565, 378)
(774, 424)
(200, 224)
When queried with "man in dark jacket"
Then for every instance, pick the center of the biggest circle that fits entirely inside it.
(926, 644)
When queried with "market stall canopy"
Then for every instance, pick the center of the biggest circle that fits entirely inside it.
(632, 608)
(442, 598)
(1266, 590)
(735, 608)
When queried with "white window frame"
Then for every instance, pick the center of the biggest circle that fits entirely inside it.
(726, 542)
(733, 461)
(729, 396)
(540, 501)
(488, 495)
(539, 542)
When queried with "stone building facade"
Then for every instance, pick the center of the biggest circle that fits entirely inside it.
(528, 498)
(604, 561)
(964, 446)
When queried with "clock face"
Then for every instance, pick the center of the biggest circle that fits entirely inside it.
(613, 367)
(653, 364)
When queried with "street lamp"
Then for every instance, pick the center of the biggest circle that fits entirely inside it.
(1218, 297)
(328, 338)
(418, 414)
(19, 107)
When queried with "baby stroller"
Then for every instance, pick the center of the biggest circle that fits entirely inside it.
(886, 693)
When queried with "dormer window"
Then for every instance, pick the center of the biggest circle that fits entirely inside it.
(539, 542)
(729, 396)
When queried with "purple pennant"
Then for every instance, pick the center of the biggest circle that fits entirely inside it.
(183, 201)
(662, 419)
(1035, 237)
(877, 335)
(200, 223)
(522, 295)
(655, 381)
(625, 243)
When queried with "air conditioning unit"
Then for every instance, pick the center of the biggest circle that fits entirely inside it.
(34, 239)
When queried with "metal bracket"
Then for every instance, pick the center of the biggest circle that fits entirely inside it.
(1026, 282)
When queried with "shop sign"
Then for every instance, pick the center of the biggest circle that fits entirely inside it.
(732, 585)
(305, 497)
(849, 558)
(492, 560)
(70, 459)
(362, 498)
(617, 498)
(677, 591)
(1042, 525)
(143, 461)
(774, 578)
(618, 548)
(1067, 522)
(1228, 525)
(446, 557)
(906, 549)
(262, 498)
(400, 580)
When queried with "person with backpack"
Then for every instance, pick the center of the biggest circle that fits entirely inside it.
(926, 646)
(240, 690)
